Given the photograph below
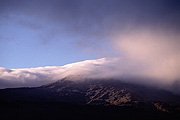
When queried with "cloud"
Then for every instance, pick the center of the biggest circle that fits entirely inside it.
(28, 77)
(101, 17)
(159, 51)
(103, 68)
(155, 51)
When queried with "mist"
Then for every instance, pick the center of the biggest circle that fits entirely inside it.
(156, 53)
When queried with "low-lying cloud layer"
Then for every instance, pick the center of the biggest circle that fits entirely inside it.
(99, 68)
(103, 68)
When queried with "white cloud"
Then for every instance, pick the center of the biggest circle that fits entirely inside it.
(43, 75)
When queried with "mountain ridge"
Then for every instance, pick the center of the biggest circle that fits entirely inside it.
(110, 98)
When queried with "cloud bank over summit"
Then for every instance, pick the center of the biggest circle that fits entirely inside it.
(103, 68)
(43, 75)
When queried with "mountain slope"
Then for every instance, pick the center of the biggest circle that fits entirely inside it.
(100, 94)
(112, 92)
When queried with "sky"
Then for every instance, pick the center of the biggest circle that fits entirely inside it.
(137, 41)
(56, 32)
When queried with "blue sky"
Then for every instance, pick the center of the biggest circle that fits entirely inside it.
(24, 45)
(56, 32)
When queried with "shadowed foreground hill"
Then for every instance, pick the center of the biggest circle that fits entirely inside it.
(90, 99)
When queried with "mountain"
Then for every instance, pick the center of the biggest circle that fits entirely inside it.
(110, 98)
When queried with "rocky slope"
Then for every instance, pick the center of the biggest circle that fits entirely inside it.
(112, 94)
(93, 92)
